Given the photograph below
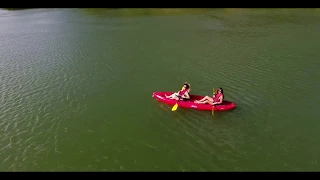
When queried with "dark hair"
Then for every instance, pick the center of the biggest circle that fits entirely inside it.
(221, 89)
(187, 85)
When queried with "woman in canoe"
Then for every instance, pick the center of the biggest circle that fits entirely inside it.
(183, 94)
(217, 99)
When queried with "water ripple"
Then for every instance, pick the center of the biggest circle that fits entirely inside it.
(63, 84)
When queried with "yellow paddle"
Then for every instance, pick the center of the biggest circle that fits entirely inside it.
(175, 107)
(213, 105)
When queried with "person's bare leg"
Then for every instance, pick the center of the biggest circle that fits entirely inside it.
(202, 100)
(196, 101)
(206, 101)
(169, 96)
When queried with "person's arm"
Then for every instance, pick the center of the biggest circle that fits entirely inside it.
(186, 95)
(219, 102)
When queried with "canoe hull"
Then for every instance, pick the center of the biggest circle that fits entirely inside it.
(225, 106)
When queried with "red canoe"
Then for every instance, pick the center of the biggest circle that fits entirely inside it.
(225, 106)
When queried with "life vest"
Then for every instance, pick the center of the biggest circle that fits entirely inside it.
(182, 92)
(216, 98)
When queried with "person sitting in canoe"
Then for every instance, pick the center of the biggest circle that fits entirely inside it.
(182, 94)
(217, 99)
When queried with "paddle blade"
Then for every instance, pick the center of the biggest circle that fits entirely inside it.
(212, 110)
(175, 107)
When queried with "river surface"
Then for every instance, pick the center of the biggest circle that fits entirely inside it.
(76, 89)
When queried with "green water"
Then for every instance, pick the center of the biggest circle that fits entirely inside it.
(76, 89)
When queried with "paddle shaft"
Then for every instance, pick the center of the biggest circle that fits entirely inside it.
(176, 105)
